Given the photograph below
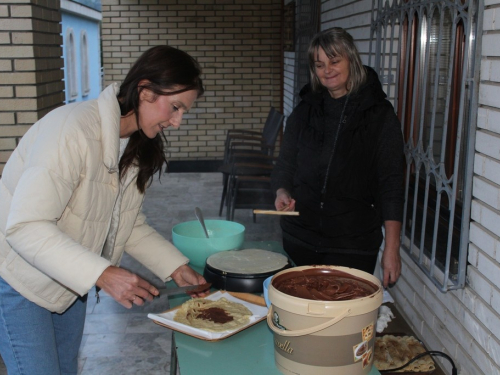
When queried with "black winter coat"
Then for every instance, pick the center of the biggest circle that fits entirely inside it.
(342, 207)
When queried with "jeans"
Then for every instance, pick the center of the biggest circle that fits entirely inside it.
(34, 340)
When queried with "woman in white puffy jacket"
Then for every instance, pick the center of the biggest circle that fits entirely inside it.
(70, 205)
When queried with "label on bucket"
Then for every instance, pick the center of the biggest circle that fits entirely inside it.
(325, 351)
(328, 351)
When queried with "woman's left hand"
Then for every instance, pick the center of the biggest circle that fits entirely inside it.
(185, 275)
(391, 264)
(391, 259)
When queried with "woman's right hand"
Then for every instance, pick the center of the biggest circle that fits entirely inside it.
(284, 202)
(125, 287)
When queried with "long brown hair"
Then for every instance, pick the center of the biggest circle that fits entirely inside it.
(168, 71)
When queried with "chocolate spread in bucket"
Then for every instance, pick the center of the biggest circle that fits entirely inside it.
(323, 284)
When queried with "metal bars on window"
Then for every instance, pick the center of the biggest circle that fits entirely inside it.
(425, 53)
(306, 25)
(84, 63)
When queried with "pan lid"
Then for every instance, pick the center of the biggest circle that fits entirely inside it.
(248, 261)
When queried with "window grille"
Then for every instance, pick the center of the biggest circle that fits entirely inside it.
(425, 53)
(306, 26)
(84, 57)
(71, 66)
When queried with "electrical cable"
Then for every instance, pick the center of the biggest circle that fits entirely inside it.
(454, 370)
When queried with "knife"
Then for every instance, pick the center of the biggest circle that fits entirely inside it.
(183, 289)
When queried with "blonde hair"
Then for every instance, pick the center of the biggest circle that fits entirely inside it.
(337, 42)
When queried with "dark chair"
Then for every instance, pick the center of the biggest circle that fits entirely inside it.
(247, 143)
(238, 140)
(249, 187)
(240, 164)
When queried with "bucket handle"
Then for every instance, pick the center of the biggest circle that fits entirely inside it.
(305, 331)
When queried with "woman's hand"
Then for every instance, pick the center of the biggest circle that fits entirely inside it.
(391, 259)
(125, 287)
(185, 275)
(284, 201)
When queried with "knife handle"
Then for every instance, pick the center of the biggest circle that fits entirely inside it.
(271, 212)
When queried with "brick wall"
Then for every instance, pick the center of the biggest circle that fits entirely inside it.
(464, 323)
(30, 65)
(238, 45)
(288, 79)
(288, 86)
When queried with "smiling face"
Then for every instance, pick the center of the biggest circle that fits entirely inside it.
(158, 112)
(333, 73)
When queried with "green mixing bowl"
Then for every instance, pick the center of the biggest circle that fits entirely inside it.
(190, 239)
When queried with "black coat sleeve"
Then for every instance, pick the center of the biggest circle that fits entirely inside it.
(390, 168)
(286, 165)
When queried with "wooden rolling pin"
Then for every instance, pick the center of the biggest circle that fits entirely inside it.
(252, 298)
(271, 212)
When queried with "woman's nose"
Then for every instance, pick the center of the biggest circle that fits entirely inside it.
(176, 120)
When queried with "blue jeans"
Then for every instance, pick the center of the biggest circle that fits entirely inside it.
(34, 340)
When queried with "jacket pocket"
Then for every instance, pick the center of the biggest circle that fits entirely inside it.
(34, 281)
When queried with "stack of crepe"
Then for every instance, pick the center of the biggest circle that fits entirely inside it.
(394, 351)
(215, 316)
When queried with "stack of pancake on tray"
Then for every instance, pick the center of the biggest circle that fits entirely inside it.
(215, 316)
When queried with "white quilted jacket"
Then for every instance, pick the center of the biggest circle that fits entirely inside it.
(57, 194)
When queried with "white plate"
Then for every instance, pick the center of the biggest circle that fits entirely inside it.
(167, 319)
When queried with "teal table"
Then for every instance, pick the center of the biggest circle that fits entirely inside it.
(249, 352)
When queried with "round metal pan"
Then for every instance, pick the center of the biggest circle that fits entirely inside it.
(243, 282)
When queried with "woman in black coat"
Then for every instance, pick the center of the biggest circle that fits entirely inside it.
(341, 165)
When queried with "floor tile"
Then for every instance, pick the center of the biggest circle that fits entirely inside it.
(126, 366)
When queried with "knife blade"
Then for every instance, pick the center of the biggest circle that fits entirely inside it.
(183, 289)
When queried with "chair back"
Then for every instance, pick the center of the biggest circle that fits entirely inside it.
(272, 127)
(250, 186)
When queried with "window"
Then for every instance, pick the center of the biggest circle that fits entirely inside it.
(84, 57)
(288, 27)
(306, 26)
(429, 47)
(71, 86)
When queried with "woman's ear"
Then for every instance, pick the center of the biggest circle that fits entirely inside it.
(144, 92)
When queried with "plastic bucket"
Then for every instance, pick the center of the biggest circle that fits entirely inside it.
(314, 337)
(191, 240)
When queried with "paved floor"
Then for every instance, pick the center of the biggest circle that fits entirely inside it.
(121, 341)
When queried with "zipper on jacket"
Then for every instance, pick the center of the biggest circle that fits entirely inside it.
(129, 178)
(97, 289)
